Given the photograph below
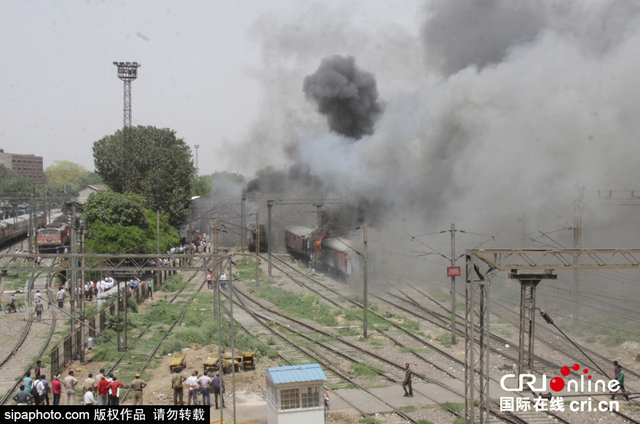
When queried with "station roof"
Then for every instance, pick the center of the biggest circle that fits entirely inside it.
(296, 373)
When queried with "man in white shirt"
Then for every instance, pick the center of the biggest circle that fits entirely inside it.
(89, 399)
(192, 384)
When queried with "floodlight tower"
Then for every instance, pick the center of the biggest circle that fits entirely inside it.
(127, 72)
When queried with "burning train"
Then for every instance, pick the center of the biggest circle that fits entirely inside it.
(323, 250)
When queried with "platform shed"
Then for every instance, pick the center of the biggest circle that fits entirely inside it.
(295, 394)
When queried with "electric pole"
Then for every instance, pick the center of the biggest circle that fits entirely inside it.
(197, 146)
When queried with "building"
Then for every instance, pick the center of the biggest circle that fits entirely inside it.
(295, 394)
(83, 194)
(29, 166)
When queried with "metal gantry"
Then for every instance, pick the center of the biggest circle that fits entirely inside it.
(545, 261)
(127, 72)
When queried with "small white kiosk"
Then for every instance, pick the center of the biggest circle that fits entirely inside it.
(295, 394)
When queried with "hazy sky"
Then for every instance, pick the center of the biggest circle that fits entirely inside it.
(200, 75)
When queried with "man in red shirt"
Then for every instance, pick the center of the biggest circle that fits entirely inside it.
(56, 387)
(114, 392)
(103, 391)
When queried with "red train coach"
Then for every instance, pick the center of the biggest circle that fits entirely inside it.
(53, 238)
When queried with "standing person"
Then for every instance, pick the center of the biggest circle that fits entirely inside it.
(103, 390)
(223, 278)
(326, 399)
(150, 287)
(47, 389)
(192, 387)
(209, 279)
(89, 384)
(28, 381)
(407, 381)
(176, 384)
(114, 392)
(39, 308)
(23, 397)
(11, 306)
(137, 385)
(204, 383)
(218, 389)
(99, 376)
(60, 297)
(88, 398)
(38, 391)
(70, 384)
(38, 369)
(38, 297)
(56, 388)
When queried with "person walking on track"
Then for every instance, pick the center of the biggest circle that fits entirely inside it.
(407, 381)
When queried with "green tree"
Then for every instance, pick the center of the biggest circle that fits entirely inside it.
(65, 177)
(13, 185)
(159, 164)
(119, 223)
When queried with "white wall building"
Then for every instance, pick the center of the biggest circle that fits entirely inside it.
(295, 394)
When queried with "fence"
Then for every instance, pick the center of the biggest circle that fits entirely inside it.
(69, 348)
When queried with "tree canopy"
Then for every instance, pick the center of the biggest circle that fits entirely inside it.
(67, 177)
(159, 164)
(119, 223)
(14, 185)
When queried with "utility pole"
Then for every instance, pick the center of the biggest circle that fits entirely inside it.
(82, 301)
(453, 284)
(74, 261)
(31, 214)
(257, 244)
(366, 282)
(242, 229)
(197, 146)
(127, 72)
(269, 241)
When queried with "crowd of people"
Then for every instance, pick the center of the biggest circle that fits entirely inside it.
(197, 386)
(101, 389)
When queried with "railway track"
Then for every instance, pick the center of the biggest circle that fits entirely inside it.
(32, 341)
(453, 368)
(552, 340)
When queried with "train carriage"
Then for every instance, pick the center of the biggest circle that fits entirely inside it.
(298, 240)
(52, 238)
(338, 257)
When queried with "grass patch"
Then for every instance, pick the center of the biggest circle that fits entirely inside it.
(310, 307)
(367, 371)
(408, 409)
(173, 284)
(455, 407)
(245, 268)
(444, 339)
(370, 420)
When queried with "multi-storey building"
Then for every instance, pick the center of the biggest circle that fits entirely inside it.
(29, 166)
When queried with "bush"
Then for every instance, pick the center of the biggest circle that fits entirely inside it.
(173, 284)
(444, 339)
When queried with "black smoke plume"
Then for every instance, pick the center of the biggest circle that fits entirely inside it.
(347, 95)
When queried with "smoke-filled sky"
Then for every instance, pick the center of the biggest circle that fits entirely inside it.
(495, 112)
(492, 114)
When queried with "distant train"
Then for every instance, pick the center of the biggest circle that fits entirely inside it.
(13, 228)
(321, 249)
(54, 237)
